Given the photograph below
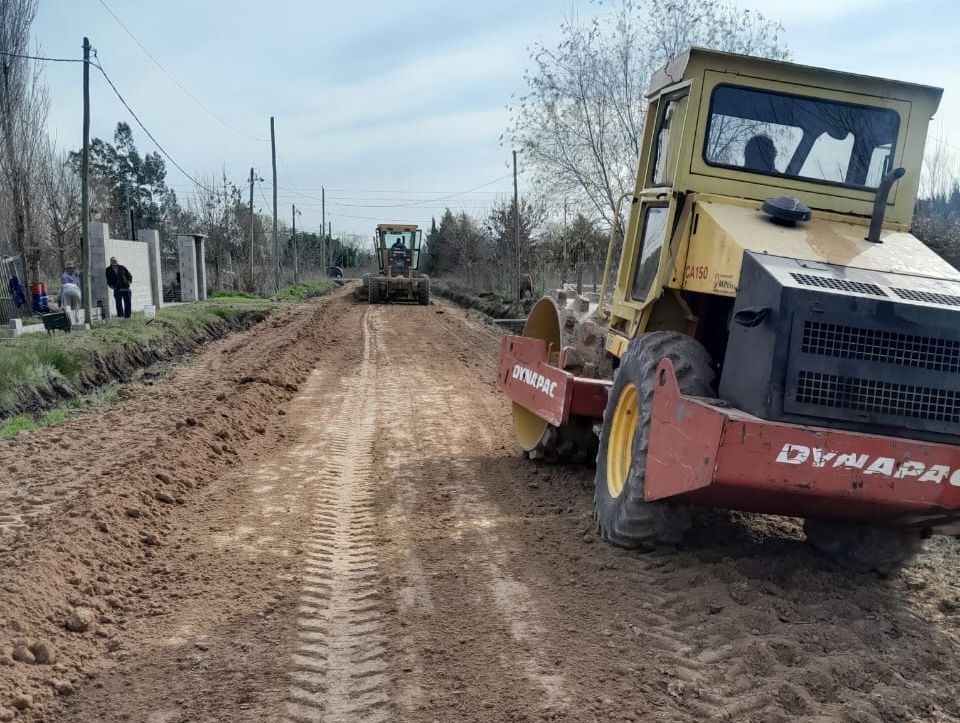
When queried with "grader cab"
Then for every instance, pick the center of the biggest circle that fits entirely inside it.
(777, 341)
(397, 250)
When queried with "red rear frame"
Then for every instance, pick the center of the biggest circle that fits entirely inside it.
(709, 454)
(716, 456)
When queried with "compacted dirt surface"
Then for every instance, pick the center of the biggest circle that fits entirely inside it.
(324, 519)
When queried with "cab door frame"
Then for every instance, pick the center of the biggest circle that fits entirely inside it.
(629, 314)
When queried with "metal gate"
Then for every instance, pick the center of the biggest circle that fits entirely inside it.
(12, 267)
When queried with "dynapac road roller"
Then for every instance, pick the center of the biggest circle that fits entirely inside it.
(777, 341)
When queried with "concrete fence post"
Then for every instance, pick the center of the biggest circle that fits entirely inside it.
(201, 244)
(187, 251)
(100, 253)
(193, 268)
(152, 239)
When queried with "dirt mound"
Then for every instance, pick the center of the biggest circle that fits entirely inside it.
(492, 305)
(87, 510)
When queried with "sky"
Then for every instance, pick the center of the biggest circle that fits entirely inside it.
(396, 108)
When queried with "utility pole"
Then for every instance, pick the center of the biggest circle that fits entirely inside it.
(252, 178)
(133, 233)
(276, 243)
(516, 220)
(84, 191)
(329, 243)
(323, 227)
(293, 237)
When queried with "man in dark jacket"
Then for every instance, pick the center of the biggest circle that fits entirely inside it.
(119, 279)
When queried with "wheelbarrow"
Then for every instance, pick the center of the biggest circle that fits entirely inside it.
(56, 320)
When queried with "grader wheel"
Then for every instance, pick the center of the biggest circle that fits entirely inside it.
(378, 290)
(567, 322)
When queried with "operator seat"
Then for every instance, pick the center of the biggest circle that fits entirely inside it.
(399, 263)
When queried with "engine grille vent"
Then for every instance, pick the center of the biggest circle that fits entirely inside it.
(877, 397)
(828, 282)
(929, 296)
(849, 342)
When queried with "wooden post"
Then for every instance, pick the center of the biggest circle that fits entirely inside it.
(276, 242)
(84, 190)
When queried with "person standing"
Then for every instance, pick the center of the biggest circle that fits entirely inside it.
(119, 279)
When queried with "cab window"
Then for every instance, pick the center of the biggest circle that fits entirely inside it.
(648, 255)
(670, 122)
(814, 139)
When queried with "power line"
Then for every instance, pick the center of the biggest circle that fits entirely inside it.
(395, 190)
(416, 202)
(144, 128)
(295, 190)
(170, 75)
(347, 215)
(40, 57)
(262, 194)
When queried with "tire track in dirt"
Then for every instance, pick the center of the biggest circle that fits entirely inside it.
(742, 623)
(654, 628)
(340, 668)
(519, 676)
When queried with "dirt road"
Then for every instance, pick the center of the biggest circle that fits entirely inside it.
(324, 519)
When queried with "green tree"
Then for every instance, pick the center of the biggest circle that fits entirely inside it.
(502, 228)
(125, 181)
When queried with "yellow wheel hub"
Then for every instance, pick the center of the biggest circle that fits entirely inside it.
(620, 447)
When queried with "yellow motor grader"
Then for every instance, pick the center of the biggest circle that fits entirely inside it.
(397, 249)
(777, 341)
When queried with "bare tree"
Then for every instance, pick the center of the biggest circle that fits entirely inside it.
(217, 210)
(23, 111)
(939, 173)
(581, 119)
(62, 191)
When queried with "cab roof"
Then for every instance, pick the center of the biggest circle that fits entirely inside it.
(694, 61)
(396, 227)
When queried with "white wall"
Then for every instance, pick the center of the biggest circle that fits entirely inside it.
(135, 255)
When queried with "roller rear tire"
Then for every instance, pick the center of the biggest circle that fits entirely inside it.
(623, 516)
(863, 548)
